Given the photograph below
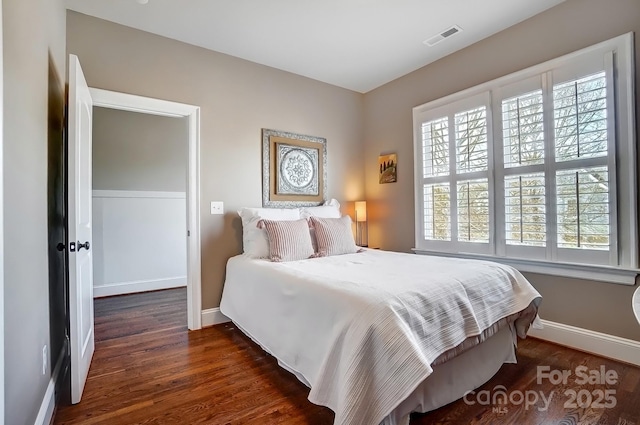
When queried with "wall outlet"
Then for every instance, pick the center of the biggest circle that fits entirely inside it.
(45, 359)
(217, 207)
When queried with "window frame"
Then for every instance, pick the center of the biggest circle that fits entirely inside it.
(616, 57)
(454, 177)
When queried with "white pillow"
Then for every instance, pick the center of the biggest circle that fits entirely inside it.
(330, 209)
(254, 240)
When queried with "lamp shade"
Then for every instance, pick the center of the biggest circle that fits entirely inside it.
(361, 211)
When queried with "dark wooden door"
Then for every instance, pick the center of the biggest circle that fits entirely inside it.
(56, 201)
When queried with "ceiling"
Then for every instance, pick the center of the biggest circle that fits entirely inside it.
(355, 44)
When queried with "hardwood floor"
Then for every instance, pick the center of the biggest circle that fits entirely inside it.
(148, 369)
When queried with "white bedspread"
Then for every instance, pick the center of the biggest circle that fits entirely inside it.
(361, 330)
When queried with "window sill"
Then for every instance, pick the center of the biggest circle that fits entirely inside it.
(608, 274)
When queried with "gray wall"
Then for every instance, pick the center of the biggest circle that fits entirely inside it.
(570, 26)
(237, 99)
(32, 28)
(133, 151)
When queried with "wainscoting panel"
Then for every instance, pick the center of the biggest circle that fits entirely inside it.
(139, 241)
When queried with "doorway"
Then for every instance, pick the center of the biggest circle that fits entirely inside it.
(139, 208)
(1, 230)
(190, 116)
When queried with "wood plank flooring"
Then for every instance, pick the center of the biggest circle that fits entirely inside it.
(148, 369)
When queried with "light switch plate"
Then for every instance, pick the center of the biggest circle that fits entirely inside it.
(217, 207)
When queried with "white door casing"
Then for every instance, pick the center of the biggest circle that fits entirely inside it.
(79, 233)
(134, 103)
(1, 228)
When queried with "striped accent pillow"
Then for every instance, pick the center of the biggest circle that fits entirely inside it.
(288, 240)
(334, 236)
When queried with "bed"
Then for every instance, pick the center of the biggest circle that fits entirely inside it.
(377, 335)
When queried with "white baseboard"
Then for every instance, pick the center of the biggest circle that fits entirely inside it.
(213, 316)
(45, 414)
(122, 288)
(602, 344)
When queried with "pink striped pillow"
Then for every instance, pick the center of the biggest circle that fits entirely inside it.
(288, 240)
(334, 236)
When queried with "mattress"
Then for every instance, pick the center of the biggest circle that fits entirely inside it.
(363, 330)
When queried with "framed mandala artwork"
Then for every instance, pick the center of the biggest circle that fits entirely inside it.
(294, 169)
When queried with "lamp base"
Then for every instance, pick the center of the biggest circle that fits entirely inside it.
(362, 237)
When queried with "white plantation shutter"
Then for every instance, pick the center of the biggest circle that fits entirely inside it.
(455, 211)
(538, 165)
(472, 156)
(583, 208)
(436, 197)
(437, 212)
(473, 211)
(435, 147)
(580, 118)
(525, 210)
(583, 144)
(540, 161)
(471, 140)
(522, 172)
(523, 130)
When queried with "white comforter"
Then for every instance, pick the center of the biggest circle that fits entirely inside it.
(362, 330)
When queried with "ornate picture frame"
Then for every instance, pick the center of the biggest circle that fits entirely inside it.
(294, 169)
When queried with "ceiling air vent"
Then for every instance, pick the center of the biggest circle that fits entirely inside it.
(444, 34)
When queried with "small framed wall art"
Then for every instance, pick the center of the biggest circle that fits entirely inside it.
(294, 169)
(388, 168)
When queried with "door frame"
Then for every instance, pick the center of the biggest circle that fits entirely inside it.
(146, 105)
(1, 223)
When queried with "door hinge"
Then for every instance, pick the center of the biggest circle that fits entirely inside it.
(72, 247)
(188, 233)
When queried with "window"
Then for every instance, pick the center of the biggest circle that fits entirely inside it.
(537, 166)
(455, 171)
